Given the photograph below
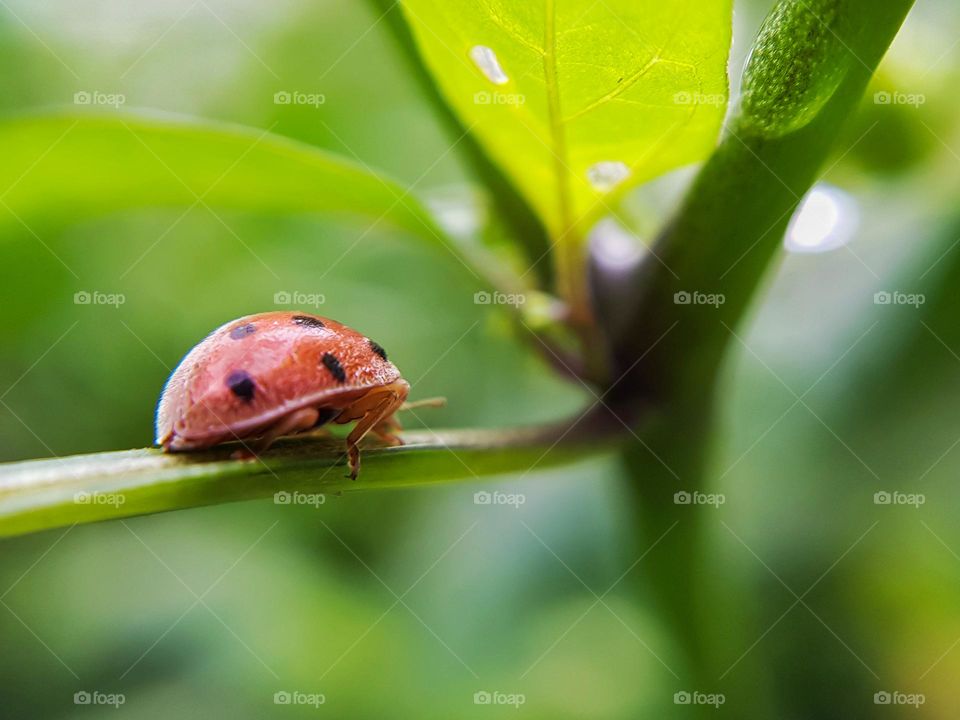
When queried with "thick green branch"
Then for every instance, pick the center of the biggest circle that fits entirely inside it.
(807, 72)
(41, 494)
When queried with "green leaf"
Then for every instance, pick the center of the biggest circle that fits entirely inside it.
(579, 83)
(43, 494)
(513, 223)
(64, 167)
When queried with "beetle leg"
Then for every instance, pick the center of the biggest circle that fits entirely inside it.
(380, 412)
(297, 421)
(387, 430)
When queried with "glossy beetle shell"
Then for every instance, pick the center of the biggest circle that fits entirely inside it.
(251, 373)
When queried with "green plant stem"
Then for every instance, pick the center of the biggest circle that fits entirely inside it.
(728, 230)
(42, 494)
(808, 71)
(692, 596)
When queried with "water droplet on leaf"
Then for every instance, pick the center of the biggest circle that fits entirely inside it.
(608, 174)
(486, 60)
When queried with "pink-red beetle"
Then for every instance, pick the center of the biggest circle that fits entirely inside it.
(279, 373)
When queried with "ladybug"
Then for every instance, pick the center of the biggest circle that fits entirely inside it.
(280, 373)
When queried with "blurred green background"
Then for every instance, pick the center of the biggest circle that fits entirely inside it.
(407, 603)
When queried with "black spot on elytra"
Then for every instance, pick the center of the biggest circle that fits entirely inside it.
(241, 385)
(241, 331)
(333, 365)
(378, 349)
(307, 321)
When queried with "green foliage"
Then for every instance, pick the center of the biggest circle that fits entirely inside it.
(640, 83)
(602, 579)
(86, 164)
(550, 92)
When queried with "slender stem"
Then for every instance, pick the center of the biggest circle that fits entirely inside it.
(41, 494)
